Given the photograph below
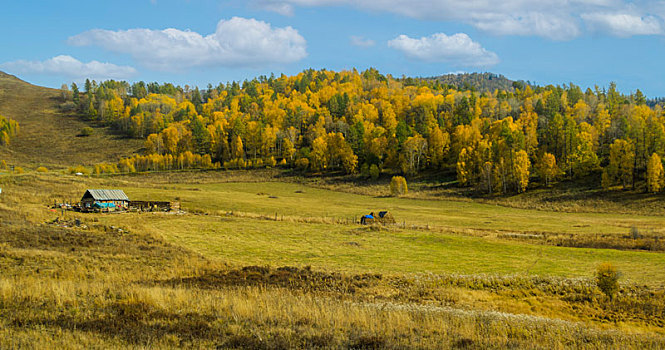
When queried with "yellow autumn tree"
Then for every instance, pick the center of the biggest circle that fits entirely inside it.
(170, 138)
(521, 169)
(621, 164)
(413, 153)
(8, 129)
(584, 159)
(464, 166)
(439, 143)
(288, 150)
(655, 175)
(237, 150)
(318, 156)
(398, 186)
(547, 168)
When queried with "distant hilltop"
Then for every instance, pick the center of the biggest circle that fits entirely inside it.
(476, 81)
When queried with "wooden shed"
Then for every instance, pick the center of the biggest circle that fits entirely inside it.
(104, 199)
(154, 205)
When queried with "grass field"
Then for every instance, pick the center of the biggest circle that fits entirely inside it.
(284, 199)
(315, 227)
(357, 249)
(265, 264)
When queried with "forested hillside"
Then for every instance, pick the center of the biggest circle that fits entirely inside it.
(484, 82)
(323, 121)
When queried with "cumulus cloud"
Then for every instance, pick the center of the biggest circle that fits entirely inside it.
(235, 42)
(362, 42)
(623, 25)
(457, 49)
(70, 67)
(553, 19)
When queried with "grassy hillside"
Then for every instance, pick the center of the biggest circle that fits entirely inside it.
(48, 136)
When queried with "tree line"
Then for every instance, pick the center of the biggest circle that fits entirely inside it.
(350, 121)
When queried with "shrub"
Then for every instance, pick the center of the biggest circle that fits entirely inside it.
(3, 164)
(364, 170)
(68, 106)
(398, 186)
(87, 131)
(18, 170)
(607, 279)
(237, 163)
(79, 169)
(105, 168)
(42, 169)
(302, 164)
(374, 172)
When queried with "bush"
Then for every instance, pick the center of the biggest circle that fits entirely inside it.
(68, 106)
(18, 170)
(87, 131)
(79, 169)
(607, 279)
(364, 170)
(398, 186)
(3, 164)
(374, 172)
(105, 168)
(302, 164)
(42, 169)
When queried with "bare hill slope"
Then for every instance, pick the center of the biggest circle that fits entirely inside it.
(48, 136)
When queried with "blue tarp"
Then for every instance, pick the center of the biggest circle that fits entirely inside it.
(104, 205)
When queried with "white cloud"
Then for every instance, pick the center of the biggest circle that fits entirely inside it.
(362, 42)
(235, 42)
(553, 19)
(70, 67)
(458, 50)
(283, 8)
(534, 23)
(623, 25)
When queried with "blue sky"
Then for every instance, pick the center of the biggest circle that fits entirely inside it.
(196, 42)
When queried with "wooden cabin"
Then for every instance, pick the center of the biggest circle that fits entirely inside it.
(104, 199)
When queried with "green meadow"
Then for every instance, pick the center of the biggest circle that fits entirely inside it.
(235, 223)
(287, 199)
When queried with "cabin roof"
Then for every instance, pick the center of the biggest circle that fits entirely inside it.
(106, 195)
